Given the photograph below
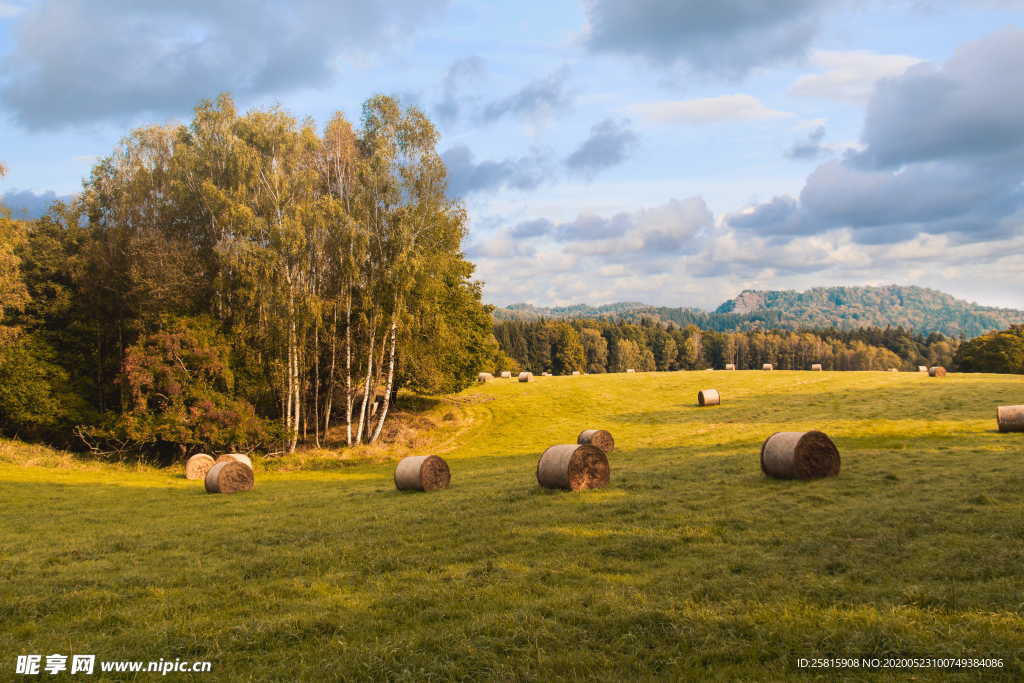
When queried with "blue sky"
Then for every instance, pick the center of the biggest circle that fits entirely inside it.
(667, 151)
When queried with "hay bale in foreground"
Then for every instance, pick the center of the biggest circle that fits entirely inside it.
(506, 374)
(198, 465)
(922, 368)
(236, 457)
(730, 366)
(937, 371)
(597, 437)
(573, 467)
(630, 370)
(525, 376)
(799, 455)
(816, 367)
(767, 366)
(422, 473)
(229, 476)
(708, 397)
(1010, 418)
(575, 372)
(485, 377)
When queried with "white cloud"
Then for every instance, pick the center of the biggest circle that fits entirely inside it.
(849, 76)
(9, 10)
(707, 110)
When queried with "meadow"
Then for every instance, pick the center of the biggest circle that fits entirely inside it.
(691, 565)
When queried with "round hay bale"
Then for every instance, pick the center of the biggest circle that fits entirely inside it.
(936, 371)
(229, 476)
(708, 397)
(1010, 418)
(730, 366)
(630, 370)
(485, 377)
(575, 372)
(597, 437)
(894, 370)
(922, 368)
(198, 465)
(525, 376)
(767, 366)
(422, 473)
(573, 467)
(545, 374)
(799, 455)
(236, 457)
(816, 367)
(506, 374)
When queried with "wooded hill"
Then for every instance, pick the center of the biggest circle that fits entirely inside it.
(917, 309)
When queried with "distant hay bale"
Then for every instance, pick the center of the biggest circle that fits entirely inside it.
(708, 397)
(236, 457)
(485, 377)
(545, 374)
(816, 367)
(767, 366)
(936, 371)
(799, 455)
(525, 376)
(573, 467)
(922, 368)
(630, 370)
(1010, 418)
(894, 370)
(506, 374)
(730, 366)
(198, 465)
(422, 473)
(597, 437)
(575, 372)
(229, 476)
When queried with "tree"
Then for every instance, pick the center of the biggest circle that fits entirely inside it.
(994, 352)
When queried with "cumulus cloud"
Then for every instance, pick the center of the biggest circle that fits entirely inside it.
(462, 72)
(610, 143)
(540, 98)
(77, 62)
(707, 110)
(809, 147)
(728, 37)
(25, 204)
(849, 76)
(466, 176)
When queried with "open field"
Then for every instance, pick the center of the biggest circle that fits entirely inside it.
(691, 565)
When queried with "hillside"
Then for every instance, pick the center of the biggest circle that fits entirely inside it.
(919, 309)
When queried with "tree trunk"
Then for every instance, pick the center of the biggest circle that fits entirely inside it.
(348, 370)
(391, 380)
(364, 408)
(329, 399)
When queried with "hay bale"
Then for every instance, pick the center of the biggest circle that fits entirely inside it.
(525, 376)
(936, 371)
(708, 397)
(573, 467)
(485, 377)
(730, 366)
(198, 465)
(236, 457)
(229, 476)
(1010, 418)
(575, 372)
(422, 473)
(816, 367)
(506, 374)
(630, 370)
(545, 374)
(922, 368)
(767, 366)
(597, 437)
(893, 369)
(799, 455)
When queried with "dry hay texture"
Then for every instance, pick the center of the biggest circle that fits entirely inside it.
(506, 374)
(485, 377)
(422, 473)
(922, 368)
(937, 371)
(525, 376)
(799, 455)
(573, 467)
(597, 437)
(236, 457)
(708, 397)
(198, 465)
(816, 367)
(229, 476)
(1010, 418)
(730, 366)
(767, 366)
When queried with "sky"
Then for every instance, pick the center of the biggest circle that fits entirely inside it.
(672, 152)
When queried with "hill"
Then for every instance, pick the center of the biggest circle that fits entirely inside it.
(918, 309)
(691, 565)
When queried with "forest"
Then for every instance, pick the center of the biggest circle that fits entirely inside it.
(243, 281)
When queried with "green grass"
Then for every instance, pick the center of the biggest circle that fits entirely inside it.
(692, 565)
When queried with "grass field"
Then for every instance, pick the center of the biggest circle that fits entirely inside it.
(691, 566)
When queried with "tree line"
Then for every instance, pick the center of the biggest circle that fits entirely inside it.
(243, 281)
(609, 345)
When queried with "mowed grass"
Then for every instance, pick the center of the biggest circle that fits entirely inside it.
(690, 566)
